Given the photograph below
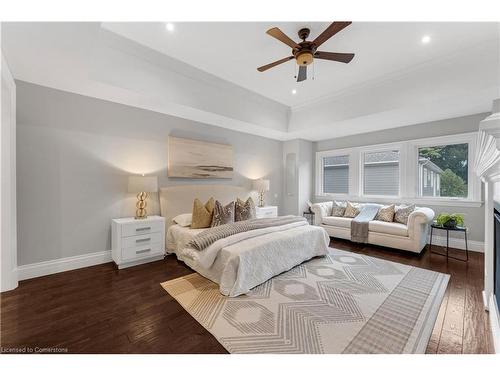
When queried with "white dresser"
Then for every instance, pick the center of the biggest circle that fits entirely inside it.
(266, 212)
(135, 242)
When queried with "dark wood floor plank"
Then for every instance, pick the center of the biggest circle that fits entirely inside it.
(104, 310)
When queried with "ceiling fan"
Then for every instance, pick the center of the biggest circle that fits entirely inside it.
(305, 52)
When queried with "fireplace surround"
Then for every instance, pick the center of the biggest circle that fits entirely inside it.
(487, 167)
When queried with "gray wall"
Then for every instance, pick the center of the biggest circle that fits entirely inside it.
(450, 126)
(296, 197)
(74, 154)
(474, 217)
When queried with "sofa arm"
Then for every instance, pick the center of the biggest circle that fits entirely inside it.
(422, 216)
(321, 210)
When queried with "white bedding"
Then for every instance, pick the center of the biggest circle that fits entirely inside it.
(240, 262)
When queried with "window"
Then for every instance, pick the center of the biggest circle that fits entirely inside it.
(381, 173)
(447, 168)
(336, 174)
(421, 171)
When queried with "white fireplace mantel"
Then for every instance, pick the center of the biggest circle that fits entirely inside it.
(487, 167)
(487, 162)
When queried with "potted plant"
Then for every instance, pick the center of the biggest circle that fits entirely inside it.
(450, 220)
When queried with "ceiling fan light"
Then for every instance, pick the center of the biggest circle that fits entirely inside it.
(304, 58)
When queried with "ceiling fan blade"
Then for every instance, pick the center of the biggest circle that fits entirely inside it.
(302, 73)
(334, 56)
(273, 64)
(281, 36)
(330, 31)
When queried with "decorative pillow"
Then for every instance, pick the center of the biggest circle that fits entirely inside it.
(202, 214)
(351, 210)
(244, 210)
(338, 208)
(386, 213)
(223, 214)
(184, 220)
(402, 213)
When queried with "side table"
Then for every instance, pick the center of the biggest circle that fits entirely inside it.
(454, 229)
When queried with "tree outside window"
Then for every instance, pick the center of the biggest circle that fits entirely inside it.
(450, 166)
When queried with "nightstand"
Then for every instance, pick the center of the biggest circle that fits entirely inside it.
(136, 242)
(266, 212)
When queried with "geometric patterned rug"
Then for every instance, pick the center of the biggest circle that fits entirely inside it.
(341, 303)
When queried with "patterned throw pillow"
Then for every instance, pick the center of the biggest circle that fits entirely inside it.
(351, 210)
(223, 214)
(338, 208)
(244, 210)
(386, 213)
(402, 213)
(202, 214)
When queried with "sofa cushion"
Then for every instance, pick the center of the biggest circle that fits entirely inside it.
(338, 208)
(396, 229)
(402, 213)
(343, 222)
(352, 210)
(386, 213)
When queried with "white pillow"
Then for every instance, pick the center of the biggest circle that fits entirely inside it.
(184, 220)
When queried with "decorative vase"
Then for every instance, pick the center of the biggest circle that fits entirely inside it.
(452, 223)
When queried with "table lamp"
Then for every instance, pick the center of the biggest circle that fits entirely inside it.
(142, 185)
(261, 186)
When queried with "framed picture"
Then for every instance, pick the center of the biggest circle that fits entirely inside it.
(188, 158)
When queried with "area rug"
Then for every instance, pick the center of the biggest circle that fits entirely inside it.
(341, 303)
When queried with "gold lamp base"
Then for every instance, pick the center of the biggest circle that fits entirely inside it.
(261, 199)
(141, 212)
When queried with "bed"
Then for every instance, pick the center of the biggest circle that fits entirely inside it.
(239, 262)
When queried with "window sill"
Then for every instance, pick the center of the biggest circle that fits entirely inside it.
(418, 201)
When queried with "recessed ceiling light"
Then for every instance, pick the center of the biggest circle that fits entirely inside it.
(426, 39)
(169, 26)
(294, 91)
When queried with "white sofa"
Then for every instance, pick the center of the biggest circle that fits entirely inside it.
(411, 237)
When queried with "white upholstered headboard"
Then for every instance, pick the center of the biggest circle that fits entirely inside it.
(176, 200)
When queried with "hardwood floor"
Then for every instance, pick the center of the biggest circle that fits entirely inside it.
(103, 310)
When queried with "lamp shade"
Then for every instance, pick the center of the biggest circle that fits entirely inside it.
(261, 185)
(139, 184)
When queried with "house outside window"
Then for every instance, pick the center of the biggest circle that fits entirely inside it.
(429, 185)
(445, 170)
(336, 174)
(381, 173)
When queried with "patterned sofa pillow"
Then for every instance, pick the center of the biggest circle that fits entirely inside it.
(338, 208)
(386, 213)
(223, 214)
(402, 213)
(351, 210)
(244, 210)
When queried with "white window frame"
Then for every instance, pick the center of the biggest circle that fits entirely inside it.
(409, 182)
(474, 183)
(320, 170)
(368, 150)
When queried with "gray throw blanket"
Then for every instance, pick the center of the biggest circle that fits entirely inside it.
(359, 225)
(209, 236)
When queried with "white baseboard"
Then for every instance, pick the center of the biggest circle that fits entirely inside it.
(494, 323)
(49, 267)
(458, 243)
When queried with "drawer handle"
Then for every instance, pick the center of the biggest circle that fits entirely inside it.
(143, 239)
(142, 251)
(144, 228)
